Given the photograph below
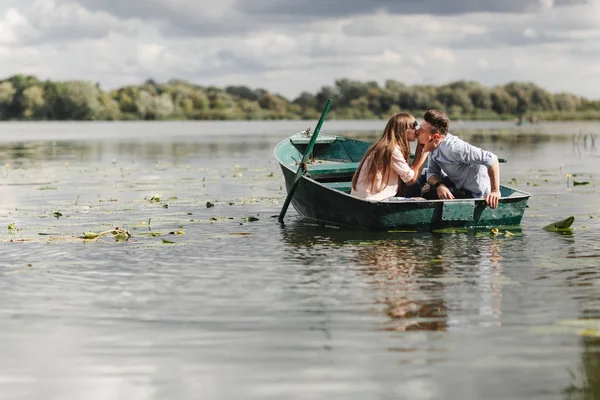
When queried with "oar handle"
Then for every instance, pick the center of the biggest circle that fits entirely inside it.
(300, 172)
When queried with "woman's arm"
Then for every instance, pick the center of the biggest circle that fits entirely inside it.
(410, 173)
(418, 164)
(421, 154)
(418, 153)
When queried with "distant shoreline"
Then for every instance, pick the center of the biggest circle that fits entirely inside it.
(507, 119)
(26, 98)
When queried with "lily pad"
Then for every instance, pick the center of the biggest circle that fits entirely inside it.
(584, 323)
(250, 219)
(562, 225)
(121, 234)
(451, 230)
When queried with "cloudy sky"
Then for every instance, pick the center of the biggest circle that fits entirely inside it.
(288, 46)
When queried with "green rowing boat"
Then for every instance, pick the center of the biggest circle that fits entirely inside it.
(323, 193)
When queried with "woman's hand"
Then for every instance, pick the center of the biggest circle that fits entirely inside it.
(432, 145)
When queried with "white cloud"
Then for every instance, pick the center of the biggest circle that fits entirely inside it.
(149, 53)
(418, 60)
(483, 64)
(444, 56)
(11, 25)
(226, 43)
(390, 57)
(530, 33)
(583, 34)
(547, 3)
(48, 21)
(378, 25)
(267, 44)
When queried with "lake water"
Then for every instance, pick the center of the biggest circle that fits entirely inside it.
(205, 303)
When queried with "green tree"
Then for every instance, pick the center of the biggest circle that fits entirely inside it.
(273, 103)
(243, 92)
(566, 102)
(542, 100)
(326, 93)
(348, 90)
(388, 99)
(187, 106)
(7, 92)
(200, 100)
(457, 97)
(522, 92)
(33, 100)
(306, 100)
(80, 100)
(163, 106)
(251, 109)
(393, 85)
(25, 97)
(419, 97)
(502, 101)
(480, 98)
(109, 108)
(126, 102)
(145, 104)
(220, 100)
(374, 96)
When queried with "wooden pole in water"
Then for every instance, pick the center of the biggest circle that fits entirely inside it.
(301, 167)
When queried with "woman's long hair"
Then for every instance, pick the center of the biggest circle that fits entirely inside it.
(380, 153)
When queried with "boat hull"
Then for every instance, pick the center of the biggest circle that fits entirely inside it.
(318, 201)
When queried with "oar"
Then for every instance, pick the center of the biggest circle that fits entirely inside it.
(300, 171)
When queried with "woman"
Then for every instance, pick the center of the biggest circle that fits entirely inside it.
(384, 170)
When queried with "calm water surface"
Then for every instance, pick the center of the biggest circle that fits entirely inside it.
(232, 309)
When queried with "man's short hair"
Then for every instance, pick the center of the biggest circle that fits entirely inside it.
(438, 120)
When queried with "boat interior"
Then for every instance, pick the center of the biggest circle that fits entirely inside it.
(335, 159)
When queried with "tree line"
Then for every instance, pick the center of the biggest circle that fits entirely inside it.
(28, 98)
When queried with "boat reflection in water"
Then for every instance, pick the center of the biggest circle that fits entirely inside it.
(420, 281)
(425, 284)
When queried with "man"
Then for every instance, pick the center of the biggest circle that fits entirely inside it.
(471, 171)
